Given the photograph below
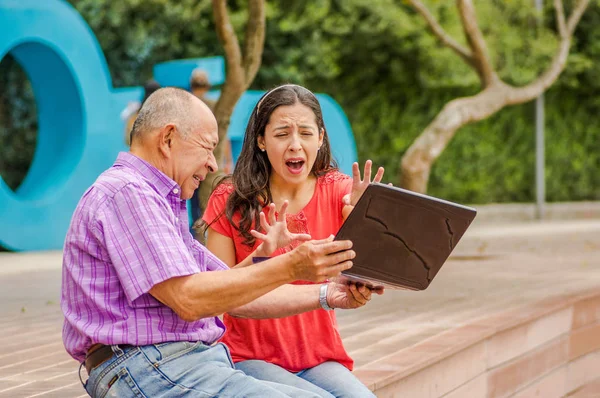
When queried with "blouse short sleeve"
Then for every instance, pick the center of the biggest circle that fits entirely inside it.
(214, 214)
(342, 185)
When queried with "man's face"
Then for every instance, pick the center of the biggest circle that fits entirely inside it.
(193, 156)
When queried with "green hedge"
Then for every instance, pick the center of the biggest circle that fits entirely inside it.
(18, 122)
(493, 160)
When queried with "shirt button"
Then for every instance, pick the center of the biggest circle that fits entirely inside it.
(176, 191)
(177, 219)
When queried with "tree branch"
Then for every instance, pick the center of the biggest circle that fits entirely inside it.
(518, 95)
(255, 39)
(560, 18)
(439, 32)
(229, 41)
(480, 57)
(576, 16)
(241, 71)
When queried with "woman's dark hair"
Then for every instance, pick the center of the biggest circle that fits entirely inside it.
(252, 170)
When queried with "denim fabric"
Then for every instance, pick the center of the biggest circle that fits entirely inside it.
(181, 369)
(329, 379)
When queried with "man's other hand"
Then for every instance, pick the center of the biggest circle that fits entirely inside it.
(349, 295)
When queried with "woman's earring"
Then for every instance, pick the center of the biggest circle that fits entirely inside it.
(262, 149)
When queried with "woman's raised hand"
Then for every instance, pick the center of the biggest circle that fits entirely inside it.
(360, 185)
(277, 233)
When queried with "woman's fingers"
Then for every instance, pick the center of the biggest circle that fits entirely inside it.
(284, 206)
(272, 219)
(301, 237)
(379, 174)
(367, 172)
(264, 223)
(258, 235)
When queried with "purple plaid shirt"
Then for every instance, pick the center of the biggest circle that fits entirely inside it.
(128, 233)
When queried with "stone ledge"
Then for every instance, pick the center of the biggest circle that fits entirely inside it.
(556, 339)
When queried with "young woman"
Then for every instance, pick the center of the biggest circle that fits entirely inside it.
(286, 164)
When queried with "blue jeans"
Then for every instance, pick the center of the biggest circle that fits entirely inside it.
(329, 379)
(176, 370)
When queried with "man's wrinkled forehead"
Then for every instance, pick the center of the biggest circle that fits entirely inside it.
(207, 126)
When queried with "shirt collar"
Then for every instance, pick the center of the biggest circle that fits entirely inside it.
(163, 184)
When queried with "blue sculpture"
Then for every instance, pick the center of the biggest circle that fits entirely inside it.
(80, 132)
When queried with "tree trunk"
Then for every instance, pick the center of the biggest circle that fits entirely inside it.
(241, 70)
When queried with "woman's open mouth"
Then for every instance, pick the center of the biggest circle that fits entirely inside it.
(295, 166)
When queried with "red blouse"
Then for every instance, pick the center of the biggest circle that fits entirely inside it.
(301, 341)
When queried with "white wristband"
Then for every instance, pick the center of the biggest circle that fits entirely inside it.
(323, 297)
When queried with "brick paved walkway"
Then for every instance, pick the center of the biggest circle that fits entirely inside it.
(493, 268)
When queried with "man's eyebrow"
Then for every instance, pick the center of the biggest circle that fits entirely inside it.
(282, 127)
(307, 126)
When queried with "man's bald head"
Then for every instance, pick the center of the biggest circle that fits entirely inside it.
(177, 134)
(169, 105)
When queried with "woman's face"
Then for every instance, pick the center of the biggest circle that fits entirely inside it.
(291, 141)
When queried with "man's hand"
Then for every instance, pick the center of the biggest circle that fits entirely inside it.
(349, 295)
(277, 234)
(319, 260)
(360, 185)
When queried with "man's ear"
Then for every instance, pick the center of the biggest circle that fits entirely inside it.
(165, 140)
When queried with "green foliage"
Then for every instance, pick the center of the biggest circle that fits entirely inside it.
(391, 76)
(136, 34)
(18, 124)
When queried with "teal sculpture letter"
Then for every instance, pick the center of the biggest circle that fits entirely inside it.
(80, 132)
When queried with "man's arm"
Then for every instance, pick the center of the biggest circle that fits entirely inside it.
(150, 256)
(212, 293)
(289, 300)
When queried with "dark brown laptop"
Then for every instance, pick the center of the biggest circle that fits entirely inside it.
(402, 238)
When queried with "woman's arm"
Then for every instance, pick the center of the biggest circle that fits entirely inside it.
(224, 248)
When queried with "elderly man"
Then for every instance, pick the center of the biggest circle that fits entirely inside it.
(140, 296)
